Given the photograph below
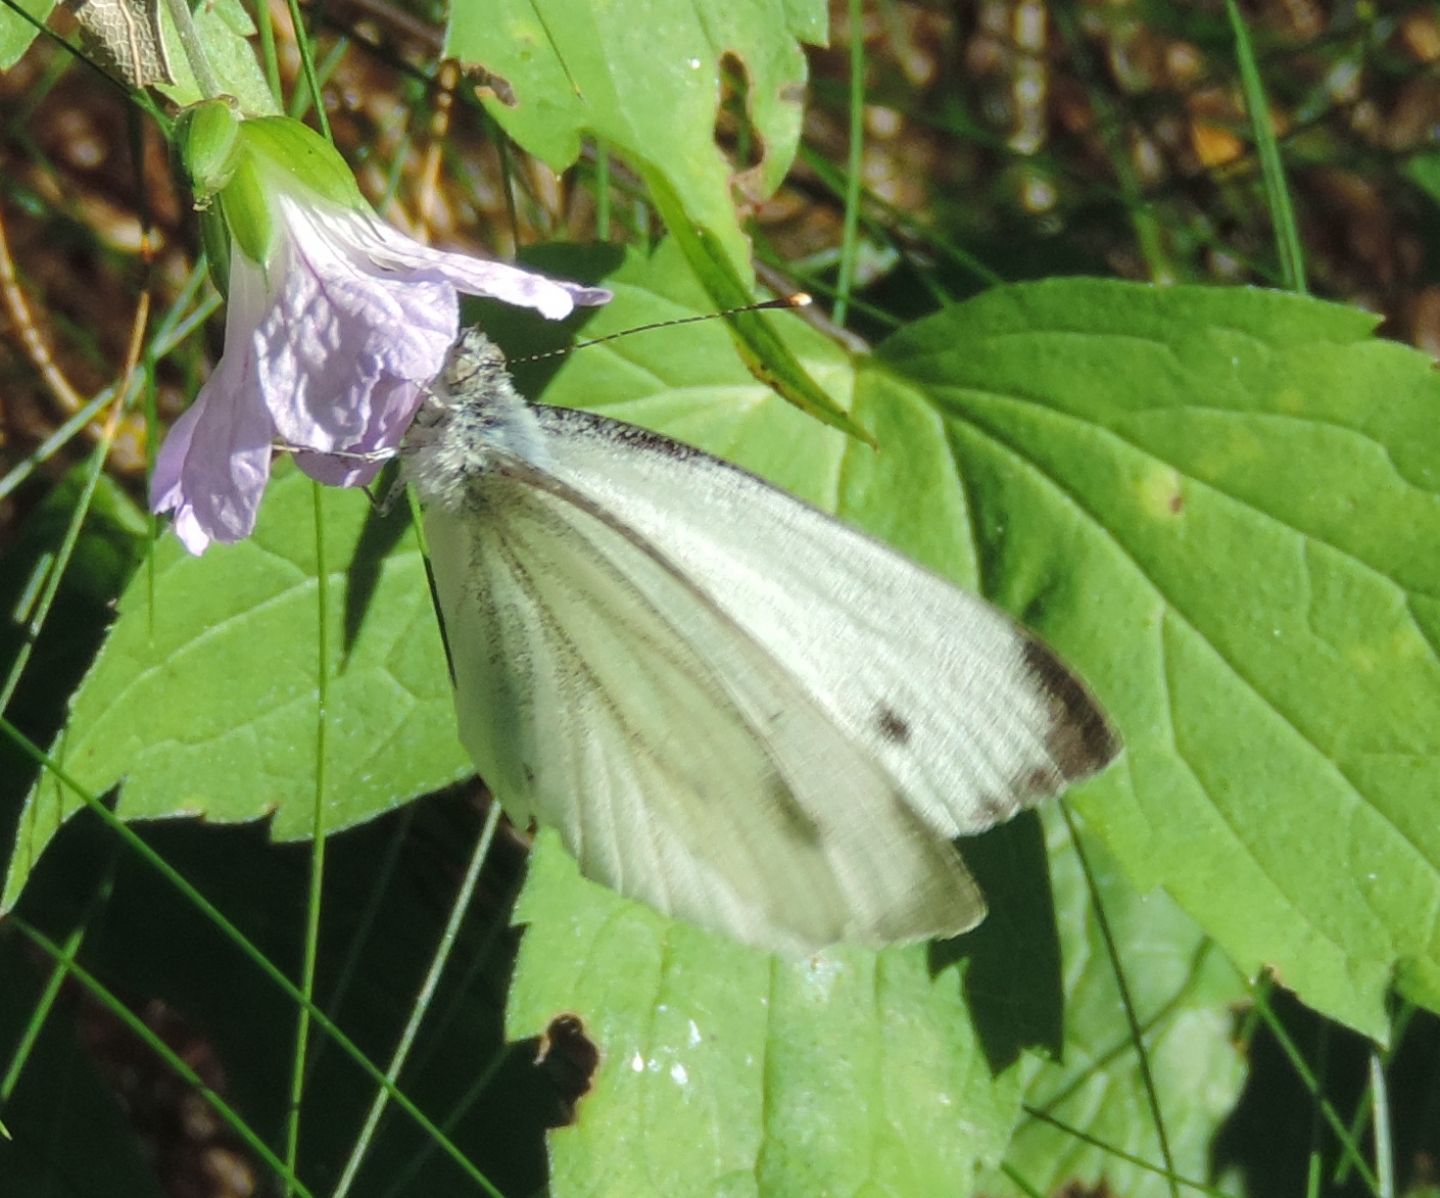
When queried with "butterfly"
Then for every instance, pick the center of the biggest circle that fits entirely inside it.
(732, 706)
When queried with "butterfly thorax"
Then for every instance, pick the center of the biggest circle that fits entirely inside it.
(471, 420)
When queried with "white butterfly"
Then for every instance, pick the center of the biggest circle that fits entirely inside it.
(731, 705)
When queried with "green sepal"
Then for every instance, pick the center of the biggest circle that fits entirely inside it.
(215, 237)
(245, 204)
(286, 152)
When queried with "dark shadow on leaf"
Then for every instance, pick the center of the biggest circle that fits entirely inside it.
(388, 889)
(562, 1064)
(1010, 964)
(379, 536)
(1274, 1131)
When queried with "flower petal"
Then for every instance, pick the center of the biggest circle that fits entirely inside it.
(552, 298)
(356, 464)
(213, 466)
(340, 328)
(212, 469)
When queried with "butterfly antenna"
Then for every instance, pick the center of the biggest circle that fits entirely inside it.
(798, 299)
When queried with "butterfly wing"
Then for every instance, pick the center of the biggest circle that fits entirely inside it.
(971, 716)
(602, 692)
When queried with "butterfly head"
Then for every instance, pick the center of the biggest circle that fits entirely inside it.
(470, 418)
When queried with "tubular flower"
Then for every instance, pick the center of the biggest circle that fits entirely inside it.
(336, 322)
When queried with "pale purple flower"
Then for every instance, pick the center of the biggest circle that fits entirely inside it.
(328, 344)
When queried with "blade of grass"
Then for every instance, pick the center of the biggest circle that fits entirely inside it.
(1149, 235)
(1272, 169)
(313, 898)
(1137, 1037)
(1130, 1158)
(1384, 1141)
(1363, 1112)
(1348, 1145)
(854, 163)
(61, 560)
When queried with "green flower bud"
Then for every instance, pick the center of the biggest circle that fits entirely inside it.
(207, 138)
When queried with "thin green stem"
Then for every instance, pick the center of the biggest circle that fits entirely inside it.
(1364, 1112)
(54, 567)
(854, 164)
(1348, 1146)
(314, 897)
(190, 43)
(1384, 1141)
(1130, 1158)
(41, 1012)
(1127, 1001)
(1020, 1183)
(137, 96)
(1149, 235)
(266, 27)
(307, 67)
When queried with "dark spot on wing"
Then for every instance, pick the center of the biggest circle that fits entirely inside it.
(1080, 739)
(1040, 781)
(892, 727)
(529, 775)
(801, 826)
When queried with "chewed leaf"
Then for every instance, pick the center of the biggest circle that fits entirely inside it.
(558, 71)
(1210, 502)
(562, 69)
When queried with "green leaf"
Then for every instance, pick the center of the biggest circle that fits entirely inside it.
(16, 33)
(1133, 472)
(224, 29)
(565, 69)
(724, 1071)
(204, 698)
(1218, 504)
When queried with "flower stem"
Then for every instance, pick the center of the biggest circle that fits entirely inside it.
(194, 52)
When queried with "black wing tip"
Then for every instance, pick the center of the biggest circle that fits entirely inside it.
(1080, 739)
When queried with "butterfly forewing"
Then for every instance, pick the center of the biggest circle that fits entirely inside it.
(971, 716)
